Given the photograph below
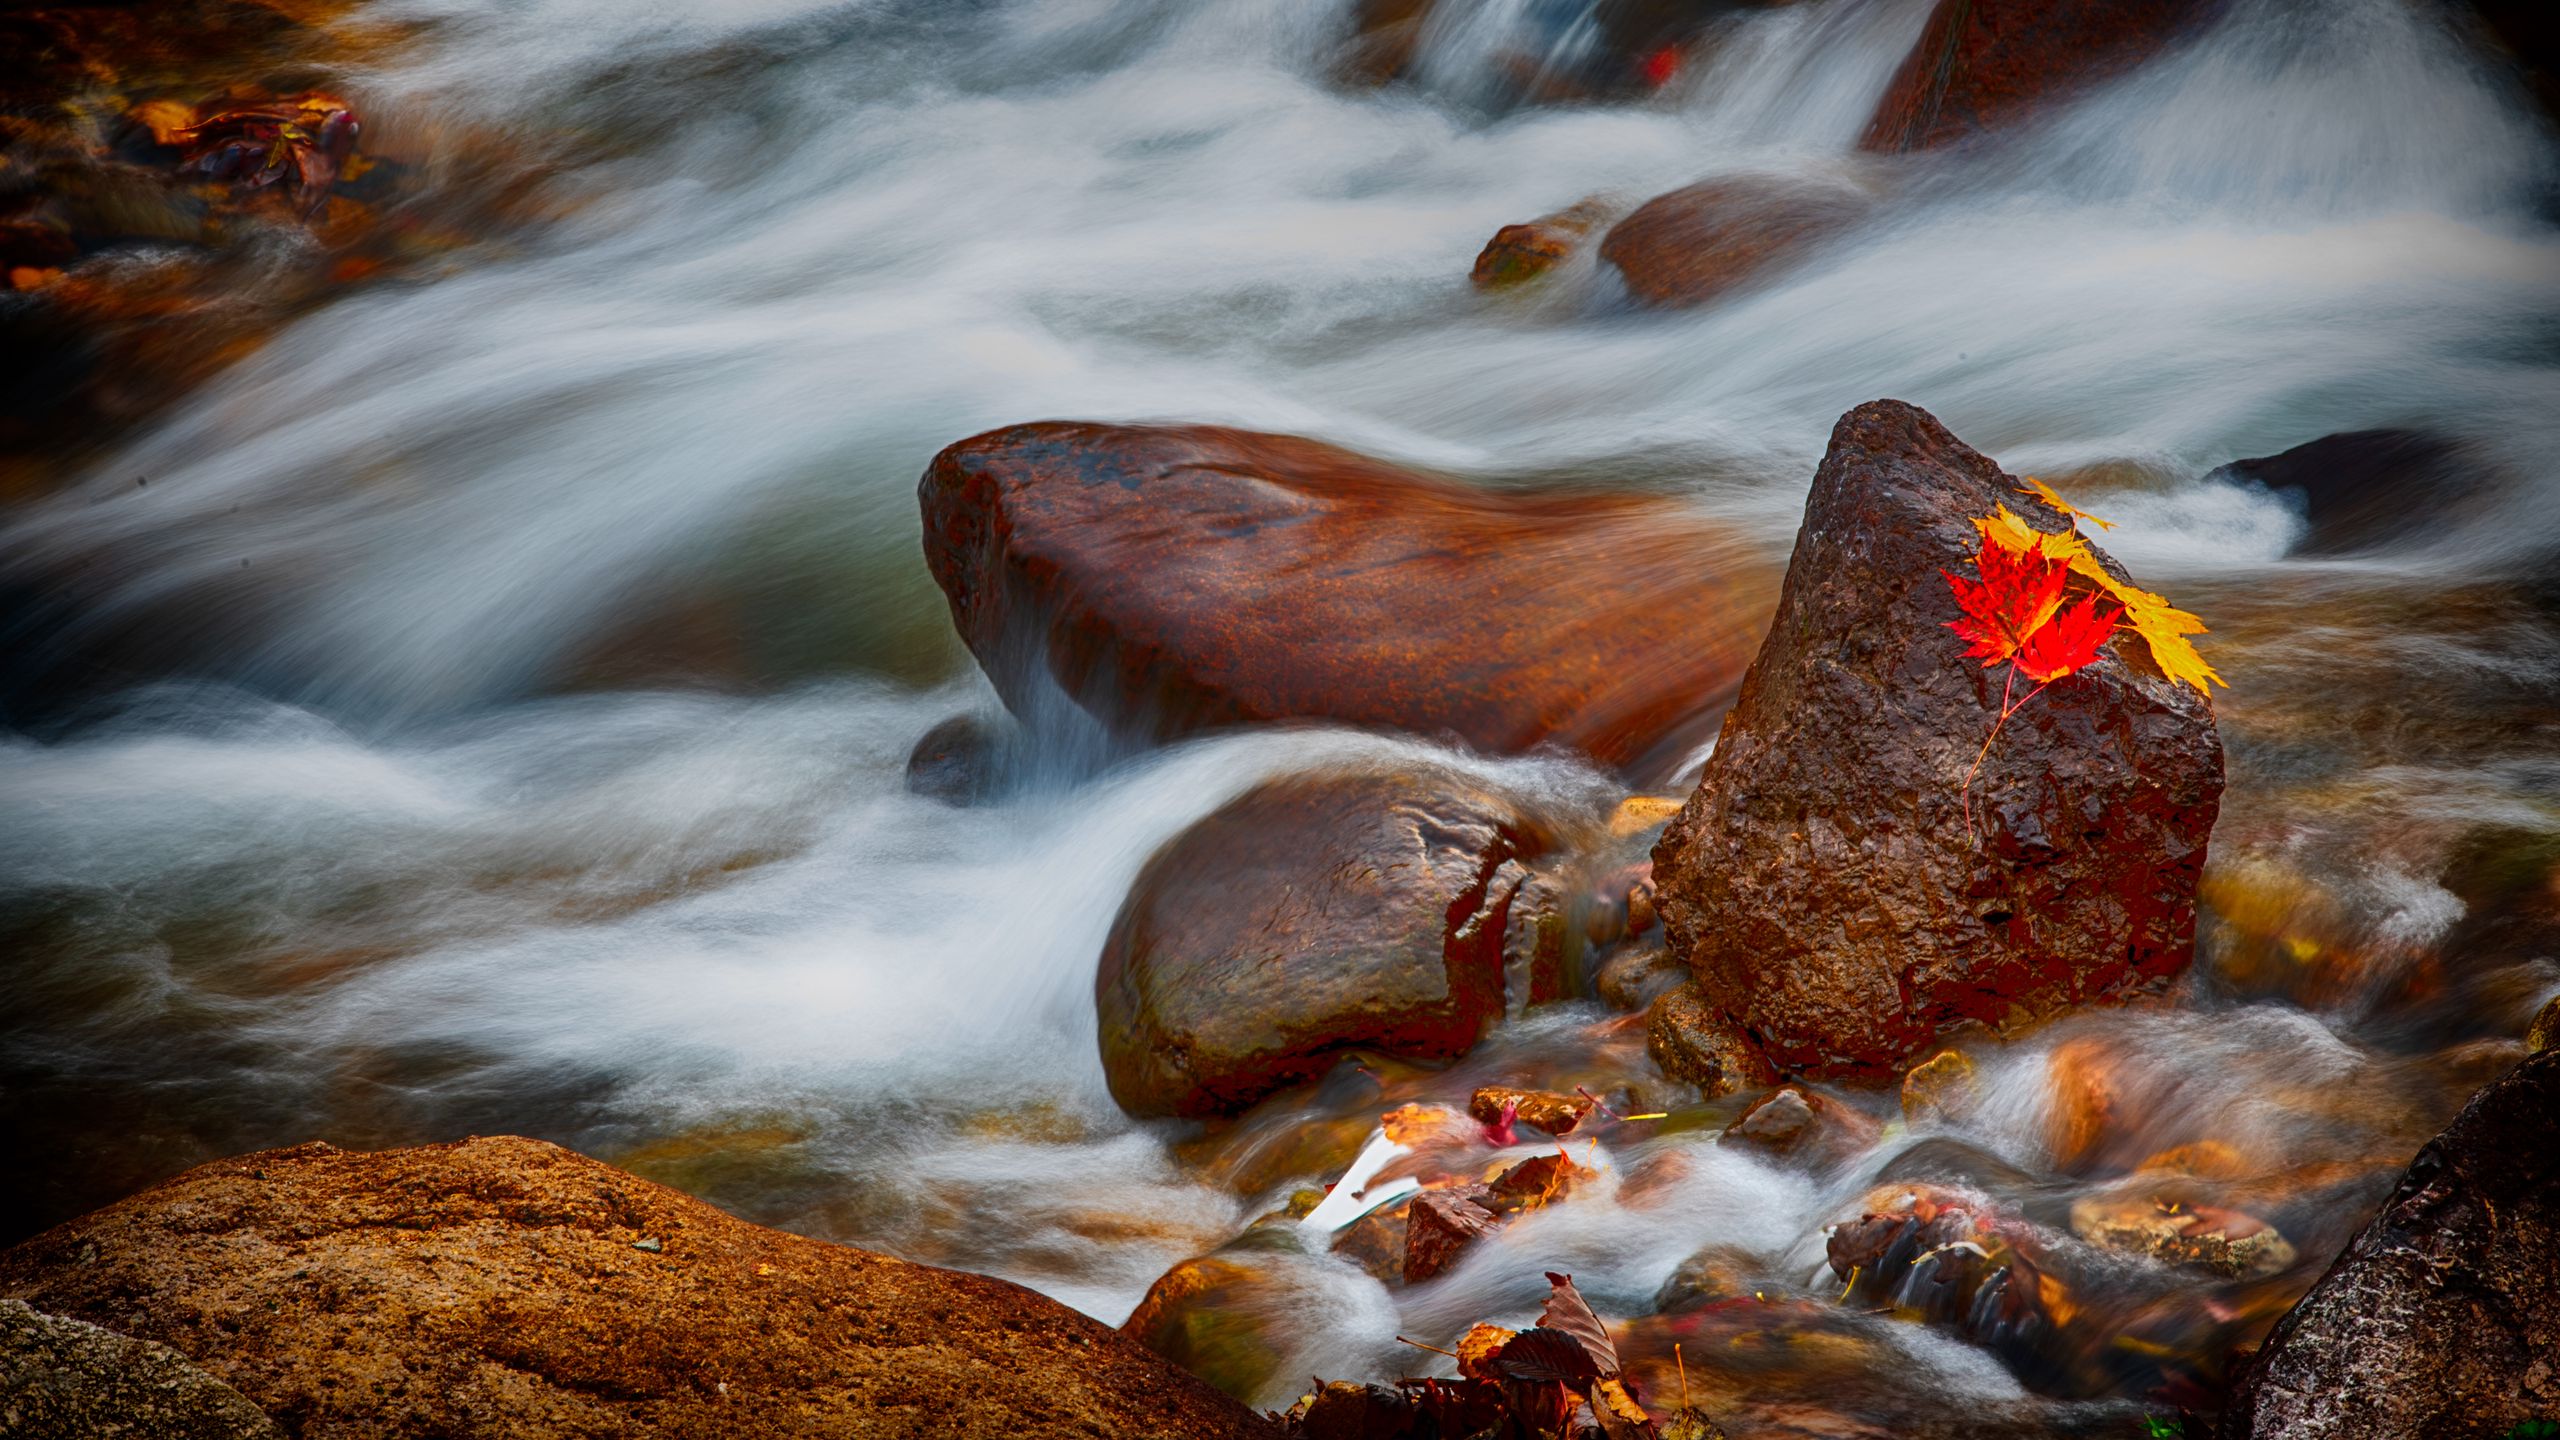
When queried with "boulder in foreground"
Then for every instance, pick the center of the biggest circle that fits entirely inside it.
(1182, 577)
(2442, 1317)
(506, 1287)
(1825, 882)
(1313, 915)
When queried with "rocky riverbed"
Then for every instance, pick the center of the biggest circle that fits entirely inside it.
(1386, 719)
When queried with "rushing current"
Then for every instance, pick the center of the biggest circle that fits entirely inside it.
(514, 668)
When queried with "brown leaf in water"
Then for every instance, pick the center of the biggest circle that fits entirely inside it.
(1547, 1355)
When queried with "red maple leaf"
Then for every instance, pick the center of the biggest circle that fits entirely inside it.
(2019, 591)
(2068, 641)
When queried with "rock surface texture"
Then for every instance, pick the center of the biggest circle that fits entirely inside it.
(2441, 1318)
(1982, 64)
(65, 1378)
(506, 1287)
(1692, 245)
(1825, 883)
(1311, 916)
(1175, 578)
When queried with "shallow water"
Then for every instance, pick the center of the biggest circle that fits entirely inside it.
(518, 667)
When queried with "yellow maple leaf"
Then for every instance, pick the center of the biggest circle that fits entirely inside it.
(2044, 492)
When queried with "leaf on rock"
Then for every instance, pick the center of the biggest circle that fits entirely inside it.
(2018, 592)
(1477, 1349)
(1620, 1417)
(2069, 641)
(1566, 1312)
(2044, 492)
(2163, 627)
(1547, 1355)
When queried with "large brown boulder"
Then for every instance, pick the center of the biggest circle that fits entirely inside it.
(1692, 245)
(1825, 882)
(1316, 914)
(1178, 577)
(2441, 1317)
(506, 1287)
(1982, 64)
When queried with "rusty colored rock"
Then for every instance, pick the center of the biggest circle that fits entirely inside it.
(1982, 64)
(2441, 1317)
(1692, 245)
(1824, 881)
(2545, 1033)
(1523, 252)
(507, 1287)
(2087, 1100)
(1441, 1225)
(1691, 1040)
(1311, 916)
(1556, 1114)
(1182, 577)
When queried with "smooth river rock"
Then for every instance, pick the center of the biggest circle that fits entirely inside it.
(500, 1288)
(1313, 915)
(2442, 1317)
(1983, 64)
(1181, 577)
(1824, 883)
(1695, 244)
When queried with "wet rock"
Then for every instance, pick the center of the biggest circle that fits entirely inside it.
(1984, 64)
(2545, 1034)
(1556, 1114)
(1943, 1087)
(62, 1377)
(1378, 1241)
(1938, 1255)
(1212, 1315)
(1442, 1225)
(2359, 488)
(1693, 245)
(1311, 916)
(955, 760)
(2441, 1317)
(1715, 1273)
(1629, 46)
(1692, 1040)
(489, 1288)
(1635, 976)
(2087, 1101)
(2200, 1237)
(1797, 1123)
(1175, 578)
(1520, 253)
(1824, 881)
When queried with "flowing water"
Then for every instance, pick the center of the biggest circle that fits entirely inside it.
(487, 704)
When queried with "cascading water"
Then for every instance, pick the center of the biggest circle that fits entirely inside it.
(367, 850)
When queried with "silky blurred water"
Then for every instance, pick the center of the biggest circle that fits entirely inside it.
(379, 845)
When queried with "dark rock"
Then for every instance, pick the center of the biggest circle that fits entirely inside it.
(1635, 976)
(1826, 882)
(2527, 32)
(2545, 1034)
(1442, 1225)
(2441, 1318)
(1523, 252)
(1175, 578)
(66, 1378)
(955, 760)
(1634, 46)
(1692, 1039)
(2360, 488)
(1311, 916)
(489, 1288)
(1983, 64)
(1693, 245)
(1715, 1273)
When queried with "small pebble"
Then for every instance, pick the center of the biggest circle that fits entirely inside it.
(651, 1245)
